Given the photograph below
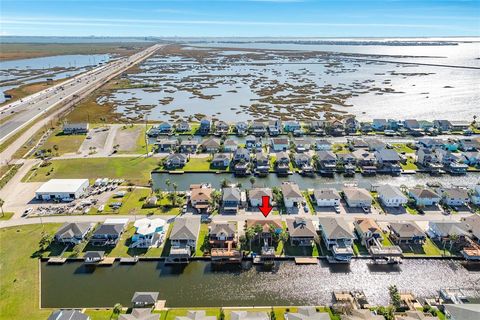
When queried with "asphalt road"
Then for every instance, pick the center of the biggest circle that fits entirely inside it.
(23, 111)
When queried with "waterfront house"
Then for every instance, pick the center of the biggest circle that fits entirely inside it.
(279, 144)
(282, 163)
(471, 224)
(351, 124)
(388, 160)
(241, 154)
(337, 236)
(475, 195)
(221, 160)
(292, 126)
(196, 315)
(391, 196)
(205, 127)
(255, 196)
(258, 128)
(322, 144)
(221, 128)
(444, 230)
(175, 160)
(185, 233)
(75, 128)
(450, 145)
(241, 168)
(424, 197)
(430, 143)
(379, 124)
(200, 197)
(292, 196)
(367, 229)
(183, 126)
(262, 163)
(302, 160)
(346, 159)
(269, 227)
(317, 127)
(109, 232)
(375, 144)
(249, 315)
(307, 313)
(411, 124)
(210, 145)
(68, 314)
(188, 146)
(451, 161)
(230, 145)
(460, 125)
(250, 141)
(241, 128)
(455, 197)
(442, 125)
(467, 311)
(336, 127)
(73, 232)
(148, 233)
(162, 128)
(393, 124)
(357, 197)
(144, 299)
(471, 158)
(222, 234)
(326, 162)
(166, 145)
(366, 160)
(365, 127)
(140, 314)
(406, 232)
(363, 314)
(231, 200)
(427, 158)
(326, 197)
(356, 143)
(469, 144)
(302, 144)
(274, 127)
(301, 231)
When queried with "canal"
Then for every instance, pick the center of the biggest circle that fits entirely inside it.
(73, 285)
(184, 181)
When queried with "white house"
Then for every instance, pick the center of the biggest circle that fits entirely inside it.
(255, 196)
(455, 197)
(391, 196)
(62, 189)
(148, 233)
(424, 197)
(292, 197)
(326, 197)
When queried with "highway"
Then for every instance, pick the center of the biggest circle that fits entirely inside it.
(20, 113)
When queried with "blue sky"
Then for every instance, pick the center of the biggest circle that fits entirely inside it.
(297, 18)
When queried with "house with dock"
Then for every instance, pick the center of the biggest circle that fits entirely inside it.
(282, 164)
(391, 196)
(148, 233)
(231, 200)
(255, 196)
(166, 145)
(292, 196)
(144, 299)
(183, 238)
(175, 161)
(405, 232)
(338, 238)
(68, 314)
(301, 231)
(424, 197)
(326, 162)
(200, 197)
(357, 197)
(140, 314)
(223, 242)
(109, 232)
(326, 197)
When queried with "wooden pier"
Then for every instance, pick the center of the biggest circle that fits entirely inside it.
(306, 260)
(56, 260)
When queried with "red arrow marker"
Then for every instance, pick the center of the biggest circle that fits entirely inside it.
(265, 207)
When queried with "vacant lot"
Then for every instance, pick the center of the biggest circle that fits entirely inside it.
(60, 144)
(136, 170)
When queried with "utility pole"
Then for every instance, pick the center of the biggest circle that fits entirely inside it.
(146, 136)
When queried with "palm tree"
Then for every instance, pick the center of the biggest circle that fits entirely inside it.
(117, 308)
(250, 234)
(167, 183)
(2, 202)
(252, 181)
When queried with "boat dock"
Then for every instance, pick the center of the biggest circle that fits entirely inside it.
(57, 260)
(108, 261)
(131, 260)
(306, 260)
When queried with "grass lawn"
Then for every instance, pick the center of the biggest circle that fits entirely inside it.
(122, 249)
(63, 143)
(428, 249)
(197, 164)
(202, 240)
(171, 314)
(140, 145)
(402, 147)
(359, 249)
(409, 165)
(6, 215)
(308, 199)
(411, 210)
(302, 251)
(9, 174)
(135, 170)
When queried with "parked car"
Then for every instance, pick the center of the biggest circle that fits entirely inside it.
(27, 212)
(366, 209)
(337, 209)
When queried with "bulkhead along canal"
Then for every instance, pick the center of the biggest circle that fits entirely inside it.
(197, 284)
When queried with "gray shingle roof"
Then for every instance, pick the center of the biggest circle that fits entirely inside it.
(335, 228)
(73, 229)
(301, 227)
(185, 228)
(68, 314)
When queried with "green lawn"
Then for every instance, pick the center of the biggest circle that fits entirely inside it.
(409, 165)
(122, 249)
(63, 143)
(402, 147)
(202, 240)
(6, 215)
(359, 249)
(135, 170)
(428, 249)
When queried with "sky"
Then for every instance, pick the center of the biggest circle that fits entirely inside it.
(240, 18)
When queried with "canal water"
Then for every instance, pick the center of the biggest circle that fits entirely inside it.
(184, 181)
(73, 285)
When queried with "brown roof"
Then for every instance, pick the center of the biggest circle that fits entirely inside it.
(265, 223)
(367, 224)
(201, 194)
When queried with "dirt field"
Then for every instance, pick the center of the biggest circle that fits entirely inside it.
(127, 138)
